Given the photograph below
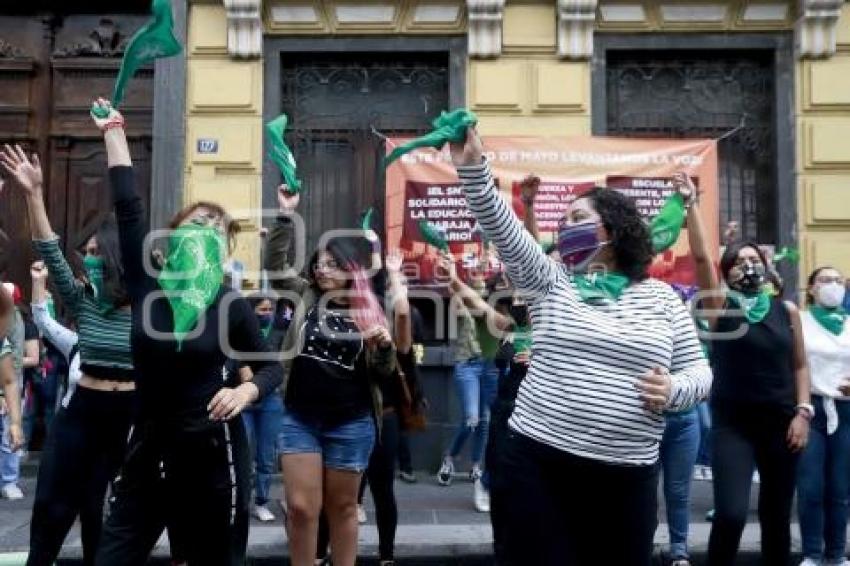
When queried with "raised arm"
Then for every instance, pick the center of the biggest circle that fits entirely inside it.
(25, 173)
(713, 299)
(528, 192)
(402, 326)
(62, 339)
(277, 263)
(471, 299)
(129, 210)
(528, 267)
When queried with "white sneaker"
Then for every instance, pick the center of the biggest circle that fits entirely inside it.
(756, 477)
(475, 473)
(361, 515)
(447, 470)
(482, 498)
(11, 492)
(262, 513)
(809, 562)
(707, 474)
(699, 473)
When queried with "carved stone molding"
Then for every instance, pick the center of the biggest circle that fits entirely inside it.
(485, 27)
(105, 40)
(576, 20)
(815, 30)
(244, 28)
(10, 51)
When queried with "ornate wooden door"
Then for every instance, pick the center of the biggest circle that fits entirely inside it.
(51, 67)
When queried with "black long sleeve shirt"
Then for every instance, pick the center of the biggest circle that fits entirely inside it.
(174, 386)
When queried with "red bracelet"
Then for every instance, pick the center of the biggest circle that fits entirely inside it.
(113, 124)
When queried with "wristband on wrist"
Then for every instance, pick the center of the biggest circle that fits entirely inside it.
(118, 123)
(806, 410)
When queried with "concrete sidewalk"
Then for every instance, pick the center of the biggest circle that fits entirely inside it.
(436, 524)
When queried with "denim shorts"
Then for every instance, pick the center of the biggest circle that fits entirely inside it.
(344, 446)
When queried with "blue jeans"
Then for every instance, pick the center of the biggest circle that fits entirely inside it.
(679, 447)
(262, 426)
(476, 381)
(704, 415)
(823, 483)
(10, 462)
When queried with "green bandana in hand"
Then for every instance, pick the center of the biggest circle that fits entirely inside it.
(154, 40)
(755, 307)
(831, 319)
(522, 339)
(433, 235)
(366, 221)
(600, 287)
(448, 127)
(193, 274)
(51, 307)
(665, 227)
(94, 273)
(280, 153)
(787, 254)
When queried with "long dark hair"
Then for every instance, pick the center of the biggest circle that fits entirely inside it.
(109, 249)
(730, 256)
(343, 251)
(629, 234)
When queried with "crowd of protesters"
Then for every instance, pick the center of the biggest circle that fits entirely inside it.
(582, 382)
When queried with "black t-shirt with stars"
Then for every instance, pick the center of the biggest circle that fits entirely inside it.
(329, 377)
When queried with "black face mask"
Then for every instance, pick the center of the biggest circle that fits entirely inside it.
(520, 314)
(752, 280)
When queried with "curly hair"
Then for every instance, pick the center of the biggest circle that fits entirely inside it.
(629, 234)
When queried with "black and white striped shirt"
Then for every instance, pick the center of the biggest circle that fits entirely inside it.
(580, 393)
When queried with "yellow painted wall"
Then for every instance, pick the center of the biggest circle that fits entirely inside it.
(528, 90)
(224, 102)
(823, 156)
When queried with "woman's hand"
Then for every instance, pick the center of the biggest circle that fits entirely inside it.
(229, 402)
(523, 358)
(378, 337)
(39, 273)
(528, 188)
(469, 152)
(798, 433)
(655, 389)
(112, 118)
(394, 261)
(446, 262)
(685, 186)
(25, 173)
(287, 201)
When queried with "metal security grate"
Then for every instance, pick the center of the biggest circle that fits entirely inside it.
(707, 94)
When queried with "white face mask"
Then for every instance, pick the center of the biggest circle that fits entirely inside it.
(831, 295)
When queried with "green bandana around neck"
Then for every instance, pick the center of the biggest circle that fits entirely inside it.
(94, 271)
(192, 275)
(667, 225)
(755, 307)
(596, 287)
(448, 127)
(831, 319)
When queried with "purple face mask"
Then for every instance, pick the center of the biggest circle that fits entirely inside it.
(578, 244)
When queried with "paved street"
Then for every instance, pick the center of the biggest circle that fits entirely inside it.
(436, 523)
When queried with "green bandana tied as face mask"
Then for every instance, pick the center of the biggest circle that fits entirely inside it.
(94, 271)
(831, 319)
(192, 275)
(600, 287)
(755, 307)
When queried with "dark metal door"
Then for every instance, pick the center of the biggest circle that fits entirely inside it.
(707, 94)
(335, 103)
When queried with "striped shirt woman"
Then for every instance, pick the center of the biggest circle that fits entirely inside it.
(610, 353)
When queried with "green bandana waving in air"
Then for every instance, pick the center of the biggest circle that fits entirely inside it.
(665, 227)
(434, 235)
(193, 274)
(448, 127)
(280, 153)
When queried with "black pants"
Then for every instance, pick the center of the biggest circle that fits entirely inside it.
(569, 511)
(380, 475)
(197, 483)
(741, 444)
(405, 462)
(496, 445)
(83, 453)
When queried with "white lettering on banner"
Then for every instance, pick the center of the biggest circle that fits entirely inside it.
(564, 157)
